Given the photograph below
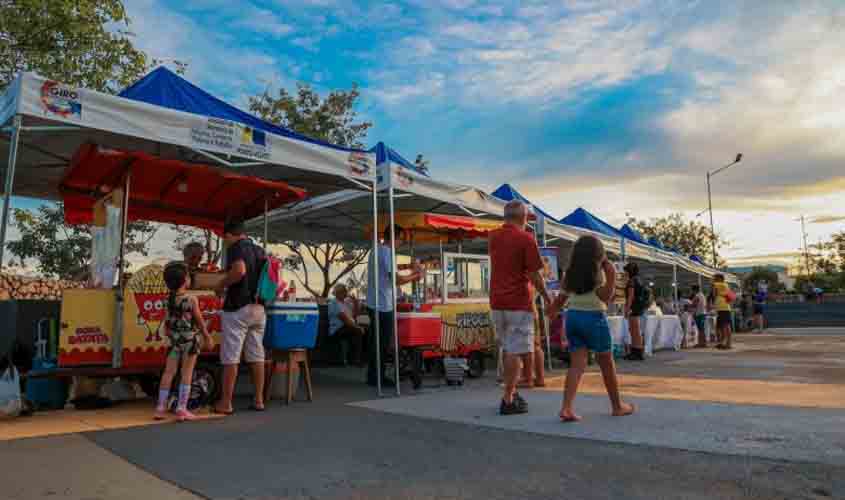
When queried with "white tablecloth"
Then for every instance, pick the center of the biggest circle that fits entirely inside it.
(659, 332)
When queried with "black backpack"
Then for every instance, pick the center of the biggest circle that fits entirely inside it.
(642, 296)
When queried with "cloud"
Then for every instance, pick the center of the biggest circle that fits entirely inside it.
(263, 21)
(827, 219)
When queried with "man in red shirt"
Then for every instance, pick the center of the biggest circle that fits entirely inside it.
(516, 265)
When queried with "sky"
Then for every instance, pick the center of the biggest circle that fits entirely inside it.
(618, 106)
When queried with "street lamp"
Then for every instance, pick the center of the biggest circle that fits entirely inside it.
(710, 204)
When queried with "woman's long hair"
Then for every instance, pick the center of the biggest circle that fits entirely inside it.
(582, 275)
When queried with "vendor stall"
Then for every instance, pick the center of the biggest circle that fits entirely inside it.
(164, 150)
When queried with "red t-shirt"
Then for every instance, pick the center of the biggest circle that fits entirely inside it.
(513, 256)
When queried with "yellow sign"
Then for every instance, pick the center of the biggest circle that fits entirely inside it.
(466, 326)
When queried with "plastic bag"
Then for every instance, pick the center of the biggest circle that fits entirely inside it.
(10, 393)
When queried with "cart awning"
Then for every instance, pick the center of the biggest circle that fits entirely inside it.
(169, 191)
(431, 228)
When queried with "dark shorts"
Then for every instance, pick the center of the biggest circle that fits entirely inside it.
(700, 322)
(723, 319)
(758, 310)
(588, 330)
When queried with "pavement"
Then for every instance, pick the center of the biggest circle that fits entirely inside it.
(449, 443)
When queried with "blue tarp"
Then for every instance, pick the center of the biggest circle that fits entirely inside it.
(632, 234)
(584, 219)
(656, 243)
(507, 192)
(385, 154)
(164, 88)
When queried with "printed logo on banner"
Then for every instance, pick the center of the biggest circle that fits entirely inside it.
(60, 99)
(253, 143)
(359, 163)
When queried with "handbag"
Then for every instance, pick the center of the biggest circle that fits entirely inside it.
(730, 297)
(10, 393)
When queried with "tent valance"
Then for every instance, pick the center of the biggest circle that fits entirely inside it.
(432, 228)
(169, 191)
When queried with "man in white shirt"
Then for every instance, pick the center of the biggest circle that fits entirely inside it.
(385, 301)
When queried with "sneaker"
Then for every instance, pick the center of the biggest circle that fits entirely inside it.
(514, 408)
(519, 400)
(185, 415)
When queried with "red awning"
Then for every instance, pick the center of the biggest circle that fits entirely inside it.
(170, 191)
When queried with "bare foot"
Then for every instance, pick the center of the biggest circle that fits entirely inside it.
(625, 410)
(569, 416)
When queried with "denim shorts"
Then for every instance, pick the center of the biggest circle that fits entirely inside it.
(588, 330)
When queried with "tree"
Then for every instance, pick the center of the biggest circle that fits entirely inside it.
(61, 250)
(332, 119)
(759, 274)
(687, 236)
(86, 43)
(211, 242)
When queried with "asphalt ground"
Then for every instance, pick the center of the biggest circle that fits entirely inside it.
(447, 443)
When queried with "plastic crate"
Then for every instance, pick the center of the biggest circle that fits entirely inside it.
(291, 325)
(419, 329)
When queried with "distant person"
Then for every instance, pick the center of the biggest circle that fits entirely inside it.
(760, 310)
(637, 299)
(699, 304)
(722, 305)
(515, 265)
(343, 330)
(243, 319)
(181, 324)
(589, 286)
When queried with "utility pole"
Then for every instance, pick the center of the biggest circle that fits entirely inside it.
(806, 250)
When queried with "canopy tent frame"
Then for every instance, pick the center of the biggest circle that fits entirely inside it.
(31, 105)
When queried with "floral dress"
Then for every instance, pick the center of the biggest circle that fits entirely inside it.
(181, 330)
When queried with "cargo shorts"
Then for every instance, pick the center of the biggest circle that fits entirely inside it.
(243, 333)
(514, 331)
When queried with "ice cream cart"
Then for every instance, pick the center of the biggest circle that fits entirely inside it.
(115, 326)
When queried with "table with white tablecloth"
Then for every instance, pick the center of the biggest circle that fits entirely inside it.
(659, 332)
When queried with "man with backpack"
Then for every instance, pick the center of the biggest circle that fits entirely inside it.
(243, 317)
(637, 299)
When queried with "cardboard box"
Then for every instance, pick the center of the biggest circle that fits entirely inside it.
(207, 281)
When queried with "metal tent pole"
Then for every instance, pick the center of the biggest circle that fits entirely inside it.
(10, 182)
(266, 222)
(677, 288)
(376, 284)
(545, 317)
(393, 279)
(117, 335)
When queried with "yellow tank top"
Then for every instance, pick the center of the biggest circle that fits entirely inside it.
(721, 292)
(589, 301)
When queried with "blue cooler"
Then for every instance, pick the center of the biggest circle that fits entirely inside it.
(291, 325)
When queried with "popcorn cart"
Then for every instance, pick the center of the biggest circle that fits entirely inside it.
(445, 316)
(115, 326)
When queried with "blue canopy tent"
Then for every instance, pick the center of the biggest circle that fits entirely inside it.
(507, 192)
(632, 234)
(584, 219)
(385, 154)
(219, 126)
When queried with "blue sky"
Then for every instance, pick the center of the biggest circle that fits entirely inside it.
(619, 106)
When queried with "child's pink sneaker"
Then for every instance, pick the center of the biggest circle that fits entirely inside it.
(185, 415)
(160, 414)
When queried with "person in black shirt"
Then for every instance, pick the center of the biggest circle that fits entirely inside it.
(243, 317)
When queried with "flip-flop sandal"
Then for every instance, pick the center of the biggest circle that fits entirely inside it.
(569, 420)
(253, 407)
(221, 412)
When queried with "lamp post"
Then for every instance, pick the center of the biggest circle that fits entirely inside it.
(710, 204)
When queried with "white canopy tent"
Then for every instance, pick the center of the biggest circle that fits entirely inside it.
(44, 123)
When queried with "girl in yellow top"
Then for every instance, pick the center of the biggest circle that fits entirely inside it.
(589, 285)
(722, 305)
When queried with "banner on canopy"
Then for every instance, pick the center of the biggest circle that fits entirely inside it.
(38, 97)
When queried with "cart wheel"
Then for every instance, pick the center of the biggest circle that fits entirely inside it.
(476, 365)
(416, 380)
(205, 386)
(149, 384)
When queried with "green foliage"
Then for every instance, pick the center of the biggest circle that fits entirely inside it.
(759, 274)
(331, 119)
(687, 236)
(63, 251)
(86, 43)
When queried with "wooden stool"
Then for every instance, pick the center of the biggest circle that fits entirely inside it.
(289, 356)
